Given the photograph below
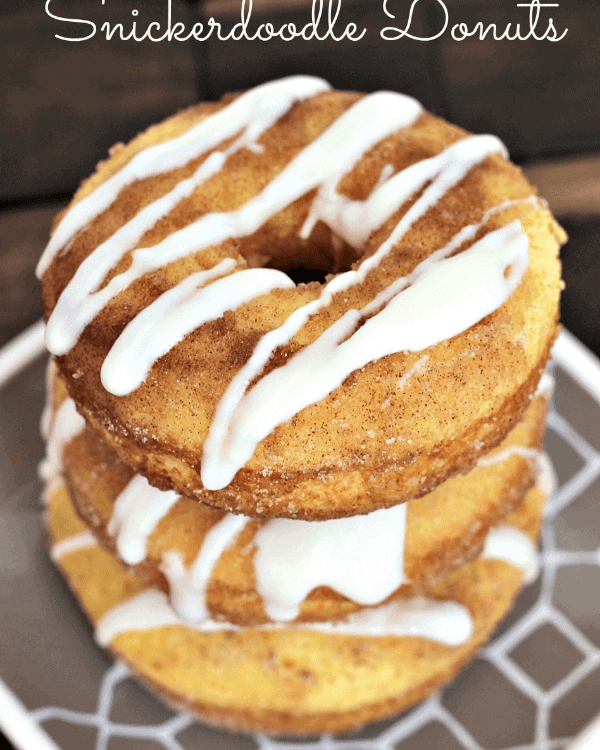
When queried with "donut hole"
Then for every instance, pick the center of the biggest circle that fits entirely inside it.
(306, 261)
(303, 275)
(317, 265)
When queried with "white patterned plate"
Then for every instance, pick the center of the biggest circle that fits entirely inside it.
(532, 688)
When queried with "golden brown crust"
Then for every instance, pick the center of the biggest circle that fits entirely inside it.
(290, 682)
(445, 528)
(369, 444)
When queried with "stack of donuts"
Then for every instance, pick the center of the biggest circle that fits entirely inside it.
(297, 400)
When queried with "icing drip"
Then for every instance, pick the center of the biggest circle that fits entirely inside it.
(446, 622)
(67, 424)
(48, 411)
(333, 153)
(52, 483)
(515, 547)
(234, 394)
(546, 480)
(445, 298)
(254, 112)
(417, 367)
(148, 610)
(441, 298)
(177, 312)
(188, 585)
(361, 557)
(71, 544)
(505, 542)
(530, 454)
(355, 220)
(137, 511)
(545, 386)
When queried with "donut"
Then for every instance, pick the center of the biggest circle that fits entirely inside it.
(186, 344)
(272, 570)
(290, 680)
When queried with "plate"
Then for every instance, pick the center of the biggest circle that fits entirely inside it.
(532, 688)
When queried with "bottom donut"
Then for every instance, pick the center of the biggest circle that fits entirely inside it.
(303, 679)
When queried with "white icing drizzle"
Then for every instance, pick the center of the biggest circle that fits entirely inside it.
(355, 220)
(530, 454)
(446, 622)
(546, 481)
(446, 297)
(254, 112)
(508, 543)
(177, 312)
(188, 585)
(545, 386)
(67, 424)
(48, 411)
(443, 621)
(137, 511)
(147, 610)
(234, 394)
(332, 153)
(361, 557)
(52, 483)
(71, 544)
(417, 367)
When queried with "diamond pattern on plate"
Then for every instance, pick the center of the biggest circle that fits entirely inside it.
(66, 734)
(577, 594)
(547, 655)
(434, 735)
(571, 399)
(124, 743)
(577, 707)
(491, 707)
(578, 525)
(556, 615)
(567, 462)
(132, 703)
(198, 737)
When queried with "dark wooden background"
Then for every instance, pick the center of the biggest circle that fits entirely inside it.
(64, 103)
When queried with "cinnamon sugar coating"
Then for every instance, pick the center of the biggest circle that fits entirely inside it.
(289, 681)
(445, 528)
(370, 443)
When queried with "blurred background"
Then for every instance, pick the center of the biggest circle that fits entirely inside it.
(65, 103)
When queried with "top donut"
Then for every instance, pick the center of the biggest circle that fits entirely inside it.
(185, 343)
